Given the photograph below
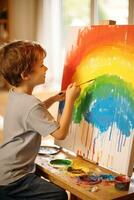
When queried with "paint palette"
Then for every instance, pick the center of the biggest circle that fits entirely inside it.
(89, 179)
(49, 150)
(61, 163)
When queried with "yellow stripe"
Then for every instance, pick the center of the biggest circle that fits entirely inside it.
(113, 60)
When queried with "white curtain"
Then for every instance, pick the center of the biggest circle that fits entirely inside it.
(49, 35)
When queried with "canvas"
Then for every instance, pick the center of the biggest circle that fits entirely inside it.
(102, 126)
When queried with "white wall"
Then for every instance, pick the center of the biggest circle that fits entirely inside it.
(22, 19)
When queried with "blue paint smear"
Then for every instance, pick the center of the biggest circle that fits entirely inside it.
(107, 111)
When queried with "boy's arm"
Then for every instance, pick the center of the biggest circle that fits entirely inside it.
(71, 94)
(58, 97)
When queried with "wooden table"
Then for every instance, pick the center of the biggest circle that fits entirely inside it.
(69, 181)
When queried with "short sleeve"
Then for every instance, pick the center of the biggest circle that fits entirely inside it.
(40, 120)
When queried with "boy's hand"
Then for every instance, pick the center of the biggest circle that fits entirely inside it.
(60, 96)
(72, 92)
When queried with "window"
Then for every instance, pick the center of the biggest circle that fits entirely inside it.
(76, 13)
(113, 10)
(94, 11)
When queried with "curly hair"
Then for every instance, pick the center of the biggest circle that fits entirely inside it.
(17, 57)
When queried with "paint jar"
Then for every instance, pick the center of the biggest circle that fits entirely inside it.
(122, 182)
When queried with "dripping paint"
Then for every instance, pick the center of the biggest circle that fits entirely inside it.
(103, 118)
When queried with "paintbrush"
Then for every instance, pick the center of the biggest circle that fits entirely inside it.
(85, 82)
(81, 84)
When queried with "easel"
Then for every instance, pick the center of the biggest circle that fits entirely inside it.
(78, 192)
(108, 22)
(85, 137)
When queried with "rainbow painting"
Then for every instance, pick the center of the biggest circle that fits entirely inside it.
(102, 126)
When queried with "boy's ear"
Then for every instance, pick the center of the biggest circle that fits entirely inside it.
(24, 76)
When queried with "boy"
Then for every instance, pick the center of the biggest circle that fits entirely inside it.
(26, 119)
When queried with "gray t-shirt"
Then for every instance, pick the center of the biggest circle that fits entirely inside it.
(25, 121)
